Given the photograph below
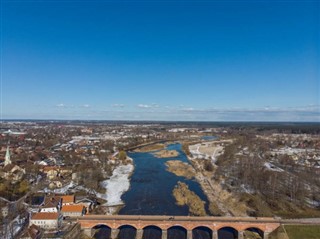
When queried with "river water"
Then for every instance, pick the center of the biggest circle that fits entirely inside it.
(150, 193)
(151, 186)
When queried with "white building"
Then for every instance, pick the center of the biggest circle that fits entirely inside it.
(46, 220)
(51, 204)
(7, 160)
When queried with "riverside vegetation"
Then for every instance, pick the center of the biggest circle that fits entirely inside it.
(180, 169)
(184, 196)
(166, 153)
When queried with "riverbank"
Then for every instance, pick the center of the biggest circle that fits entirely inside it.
(221, 202)
(207, 150)
(150, 148)
(115, 186)
(180, 169)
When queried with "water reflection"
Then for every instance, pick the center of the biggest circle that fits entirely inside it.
(209, 137)
(152, 232)
(177, 232)
(253, 233)
(127, 232)
(101, 232)
(201, 233)
(227, 233)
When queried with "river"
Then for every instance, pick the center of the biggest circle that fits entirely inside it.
(151, 186)
(150, 193)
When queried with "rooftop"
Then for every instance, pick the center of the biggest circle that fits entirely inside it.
(67, 199)
(72, 208)
(45, 216)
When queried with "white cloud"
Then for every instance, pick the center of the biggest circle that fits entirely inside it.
(61, 105)
(150, 106)
(153, 111)
(118, 105)
(189, 109)
(86, 106)
(155, 105)
(144, 106)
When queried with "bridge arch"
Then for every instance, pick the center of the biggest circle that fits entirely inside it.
(101, 231)
(237, 226)
(253, 230)
(151, 225)
(100, 225)
(154, 225)
(202, 232)
(177, 231)
(167, 226)
(152, 231)
(127, 232)
(210, 226)
(227, 232)
(127, 226)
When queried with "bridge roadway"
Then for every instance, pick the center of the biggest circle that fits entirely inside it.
(214, 224)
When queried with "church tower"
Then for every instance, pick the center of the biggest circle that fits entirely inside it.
(7, 157)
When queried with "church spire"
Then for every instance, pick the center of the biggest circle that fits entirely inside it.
(7, 157)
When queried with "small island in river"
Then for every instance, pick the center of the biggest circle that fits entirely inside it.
(166, 153)
(184, 196)
(180, 168)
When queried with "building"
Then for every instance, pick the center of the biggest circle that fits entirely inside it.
(67, 199)
(46, 220)
(7, 159)
(51, 204)
(33, 232)
(51, 171)
(55, 184)
(4, 209)
(73, 210)
(11, 171)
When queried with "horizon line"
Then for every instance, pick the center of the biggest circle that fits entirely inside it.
(159, 121)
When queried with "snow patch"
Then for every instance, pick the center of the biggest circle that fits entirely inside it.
(272, 167)
(64, 189)
(116, 185)
(247, 189)
(210, 154)
(313, 203)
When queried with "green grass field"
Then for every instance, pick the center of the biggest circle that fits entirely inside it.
(303, 231)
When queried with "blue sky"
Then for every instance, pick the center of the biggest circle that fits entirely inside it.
(161, 60)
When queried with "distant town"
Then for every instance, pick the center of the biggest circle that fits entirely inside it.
(54, 172)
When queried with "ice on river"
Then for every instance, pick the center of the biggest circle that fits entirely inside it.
(116, 185)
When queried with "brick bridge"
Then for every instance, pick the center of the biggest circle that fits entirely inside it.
(263, 226)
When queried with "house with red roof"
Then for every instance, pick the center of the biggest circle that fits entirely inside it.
(46, 220)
